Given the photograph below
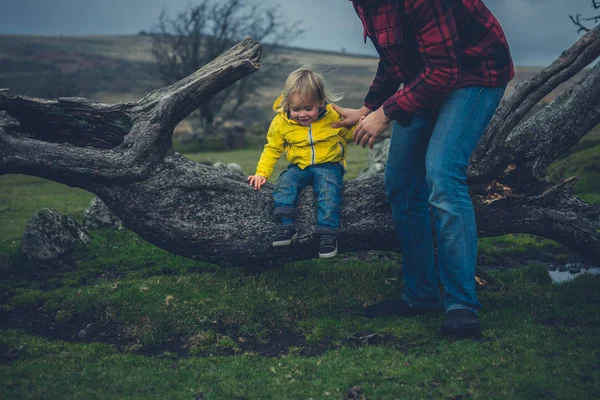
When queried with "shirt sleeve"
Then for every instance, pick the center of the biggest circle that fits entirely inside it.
(382, 87)
(348, 133)
(435, 31)
(272, 150)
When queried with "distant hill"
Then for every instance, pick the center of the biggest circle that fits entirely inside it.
(119, 68)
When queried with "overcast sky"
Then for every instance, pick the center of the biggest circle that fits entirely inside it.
(537, 30)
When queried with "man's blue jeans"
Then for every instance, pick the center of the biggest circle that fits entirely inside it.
(327, 182)
(427, 169)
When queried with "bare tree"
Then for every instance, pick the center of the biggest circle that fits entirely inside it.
(582, 23)
(202, 32)
(122, 153)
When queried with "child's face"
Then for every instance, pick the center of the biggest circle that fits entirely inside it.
(302, 111)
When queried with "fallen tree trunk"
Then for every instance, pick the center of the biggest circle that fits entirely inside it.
(123, 153)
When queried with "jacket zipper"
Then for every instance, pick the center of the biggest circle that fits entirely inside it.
(342, 148)
(312, 147)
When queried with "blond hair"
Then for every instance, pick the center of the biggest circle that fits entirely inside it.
(309, 86)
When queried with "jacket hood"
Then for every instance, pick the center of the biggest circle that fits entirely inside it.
(277, 103)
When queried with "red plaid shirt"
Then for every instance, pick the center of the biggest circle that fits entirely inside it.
(432, 47)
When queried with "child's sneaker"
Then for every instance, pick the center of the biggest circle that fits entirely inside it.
(284, 236)
(327, 246)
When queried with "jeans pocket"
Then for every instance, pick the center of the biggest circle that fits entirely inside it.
(333, 190)
(279, 179)
(331, 180)
(341, 169)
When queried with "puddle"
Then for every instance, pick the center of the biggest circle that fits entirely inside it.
(571, 271)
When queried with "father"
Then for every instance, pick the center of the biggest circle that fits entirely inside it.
(443, 68)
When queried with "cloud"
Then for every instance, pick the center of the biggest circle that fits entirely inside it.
(537, 31)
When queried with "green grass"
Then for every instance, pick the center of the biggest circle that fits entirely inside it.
(586, 165)
(539, 340)
(514, 244)
(22, 196)
(162, 326)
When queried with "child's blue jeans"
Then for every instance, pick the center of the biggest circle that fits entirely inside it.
(327, 182)
(427, 169)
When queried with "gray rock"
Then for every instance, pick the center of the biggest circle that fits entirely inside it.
(6, 266)
(377, 159)
(574, 268)
(98, 215)
(234, 168)
(50, 235)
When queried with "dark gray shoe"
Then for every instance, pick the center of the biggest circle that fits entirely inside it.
(461, 322)
(327, 246)
(285, 235)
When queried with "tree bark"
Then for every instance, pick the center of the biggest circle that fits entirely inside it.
(123, 154)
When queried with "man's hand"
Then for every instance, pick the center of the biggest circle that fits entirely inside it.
(370, 127)
(257, 181)
(349, 116)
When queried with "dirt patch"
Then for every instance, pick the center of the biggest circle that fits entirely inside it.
(279, 342)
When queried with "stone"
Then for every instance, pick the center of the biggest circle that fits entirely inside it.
(98, 215)
(377, 159)
(233, 168)
(50, 235)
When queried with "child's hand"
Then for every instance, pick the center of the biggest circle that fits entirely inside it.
(257, 181)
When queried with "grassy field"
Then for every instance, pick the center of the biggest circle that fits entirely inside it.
(119, 69)
(123, 319)
(120, 318)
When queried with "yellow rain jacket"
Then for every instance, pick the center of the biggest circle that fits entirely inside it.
(317, 143)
